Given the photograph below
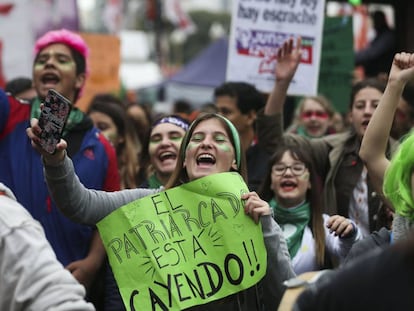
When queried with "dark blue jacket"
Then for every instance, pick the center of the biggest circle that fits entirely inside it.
(21, 169)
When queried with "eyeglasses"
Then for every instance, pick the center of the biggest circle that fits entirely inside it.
(317, 114)
(297, 169)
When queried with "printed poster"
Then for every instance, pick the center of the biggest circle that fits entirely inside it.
(185, 246)
(259, 28)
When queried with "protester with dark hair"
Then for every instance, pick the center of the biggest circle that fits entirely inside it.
(21, 88)
(164, 144)
(394, 177)
(142, 117)
(210, 146)
(163, 148)
(108, 114)
(60, 63)
(348, 190)
(377, 57)
(292, 187)
(240, 103)
(183, 108)
(381, 275)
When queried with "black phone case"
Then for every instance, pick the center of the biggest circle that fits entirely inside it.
(52, 120)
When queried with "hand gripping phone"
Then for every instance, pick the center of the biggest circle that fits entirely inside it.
(52, 120)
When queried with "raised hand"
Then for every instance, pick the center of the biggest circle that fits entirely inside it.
(33, 133)
(288, 58)
(340, 226)
(254, 206)
(402, 68)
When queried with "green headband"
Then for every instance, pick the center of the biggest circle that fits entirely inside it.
(236, 139)
(233, 131)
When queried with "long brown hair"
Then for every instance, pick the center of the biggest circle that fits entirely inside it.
(130, 149)
(313, 195)
(179, 176)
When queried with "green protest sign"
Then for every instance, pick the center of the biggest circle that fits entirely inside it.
(185, 246)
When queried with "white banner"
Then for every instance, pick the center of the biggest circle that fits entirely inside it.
(16, 37)
(259, 28)
(21, 22)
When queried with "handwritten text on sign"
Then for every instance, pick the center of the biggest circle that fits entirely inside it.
(185, 246)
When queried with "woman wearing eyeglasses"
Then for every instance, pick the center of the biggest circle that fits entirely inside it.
(314, 117)
(348, 189)
(293, 191)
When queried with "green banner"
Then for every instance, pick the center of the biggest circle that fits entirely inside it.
(185, 246)
(337, 62)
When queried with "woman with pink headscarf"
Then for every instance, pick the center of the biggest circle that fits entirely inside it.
(60, 63)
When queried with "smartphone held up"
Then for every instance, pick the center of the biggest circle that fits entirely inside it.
(52, 120)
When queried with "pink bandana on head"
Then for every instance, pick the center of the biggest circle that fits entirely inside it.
(66, 37)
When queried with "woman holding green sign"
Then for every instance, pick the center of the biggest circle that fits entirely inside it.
(210, 146)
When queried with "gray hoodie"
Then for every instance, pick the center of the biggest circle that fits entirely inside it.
(31, 278)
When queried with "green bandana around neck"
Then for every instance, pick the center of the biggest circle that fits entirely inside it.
(300, 130)
(153, 182)
(75, 116)
(292, 219)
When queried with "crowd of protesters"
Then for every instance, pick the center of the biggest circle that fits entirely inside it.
(328, 199)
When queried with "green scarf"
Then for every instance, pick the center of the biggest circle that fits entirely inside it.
(289, 218)
(153, 182)
(76, 116)
(302, 132)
